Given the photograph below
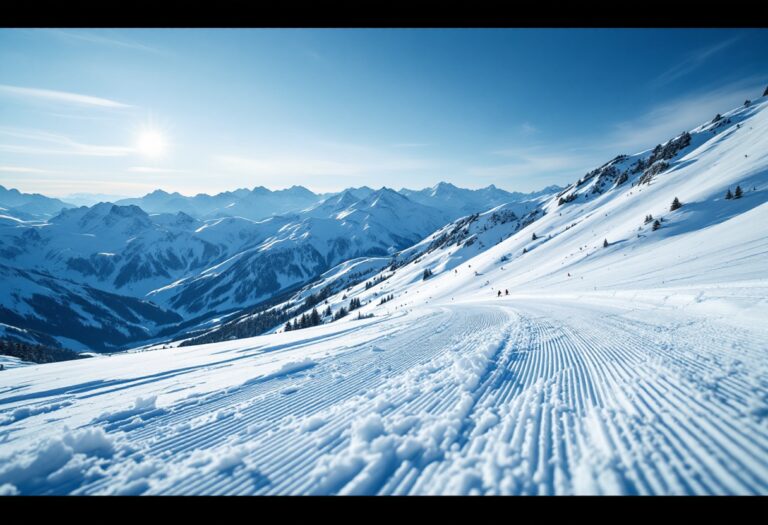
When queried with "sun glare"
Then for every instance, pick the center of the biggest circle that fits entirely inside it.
(151, 143)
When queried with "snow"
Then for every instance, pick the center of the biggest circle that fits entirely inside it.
(638, 368)
(594, 393)
(9, 362)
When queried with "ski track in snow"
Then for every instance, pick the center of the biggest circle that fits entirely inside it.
(518, 396)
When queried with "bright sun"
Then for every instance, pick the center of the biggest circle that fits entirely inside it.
(151, 143)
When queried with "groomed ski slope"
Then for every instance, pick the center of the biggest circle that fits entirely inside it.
(587, 394)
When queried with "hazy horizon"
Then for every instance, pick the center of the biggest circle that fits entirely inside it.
(96, 197)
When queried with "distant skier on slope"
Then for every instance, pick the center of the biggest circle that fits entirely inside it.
(506, 292)
(499, 295)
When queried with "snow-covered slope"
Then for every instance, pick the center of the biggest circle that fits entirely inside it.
(638, 367)
(9, 362)
(75, 315)
(709, 239)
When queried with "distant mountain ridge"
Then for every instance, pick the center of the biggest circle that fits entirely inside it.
(460, 201)
(257, 203)
(29, 206)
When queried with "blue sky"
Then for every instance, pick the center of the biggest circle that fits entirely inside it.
(328, 109)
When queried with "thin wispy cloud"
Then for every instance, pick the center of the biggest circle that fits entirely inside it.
(408, 145)
(329, 159)
(101, 117)
(63, 97)
(292, 166)
(62, 186)
(566, 161)
(149, 169)
(694, 61)
(671, 118)
(44, 143)
(103, 38)
(533, 162)
(21, 169)
(526, 128)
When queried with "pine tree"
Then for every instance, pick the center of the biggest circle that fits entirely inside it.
(675, 205)
(765, 93)
(738, 193)
(656, 225)
(605, 243)
(525, 250)
(533, 237)
(427, 274)
(728, 194)
(287, 326)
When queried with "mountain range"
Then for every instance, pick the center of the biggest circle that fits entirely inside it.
(201, 268)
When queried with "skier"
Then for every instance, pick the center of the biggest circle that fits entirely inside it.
(499, 295)
(506, 292)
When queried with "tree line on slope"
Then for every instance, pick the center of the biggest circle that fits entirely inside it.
(37, 353)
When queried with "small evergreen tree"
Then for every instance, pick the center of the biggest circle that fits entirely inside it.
(605, 243)
(738, 193)
(427, 274)
(656, 225)
(765, 93)
(287, 326)
(533, 237)
(728, 194)
(525, 250)
(340, 313)
(675, 205)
